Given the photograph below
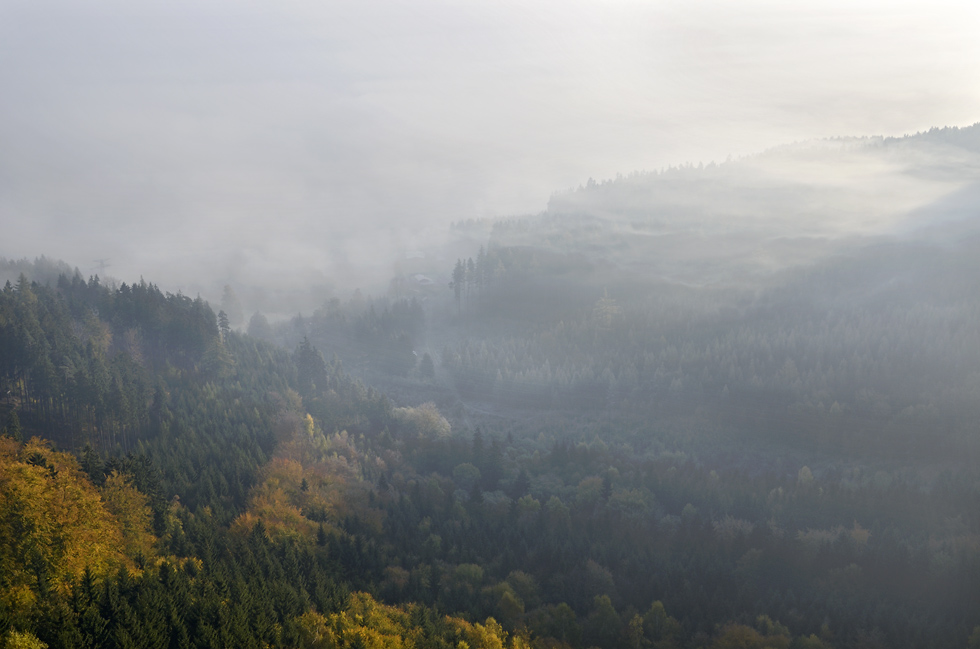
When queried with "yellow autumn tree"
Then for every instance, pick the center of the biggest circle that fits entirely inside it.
(17, 640)
(489, 635)
(132, 512)
(364, 623)
(53, 523)
(368, 624)
(290, 500)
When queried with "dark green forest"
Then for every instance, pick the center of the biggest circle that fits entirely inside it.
(170, 482)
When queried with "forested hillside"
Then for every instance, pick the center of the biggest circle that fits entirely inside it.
(214, 490)
(877, 344)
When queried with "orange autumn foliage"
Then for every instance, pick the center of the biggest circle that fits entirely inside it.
(313, 479)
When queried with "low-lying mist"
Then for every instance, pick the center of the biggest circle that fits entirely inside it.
(771, 299)
(304, 151)
(738, 224)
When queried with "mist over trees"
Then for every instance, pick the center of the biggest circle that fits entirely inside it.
(671, 411)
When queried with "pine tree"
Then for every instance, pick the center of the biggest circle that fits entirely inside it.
(13, 428)
(459, 279)
(223, 325)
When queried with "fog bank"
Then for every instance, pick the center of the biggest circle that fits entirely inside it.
(311, 143)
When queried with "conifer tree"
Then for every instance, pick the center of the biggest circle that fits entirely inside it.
(13, 428)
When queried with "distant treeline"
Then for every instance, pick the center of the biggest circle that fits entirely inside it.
(873, 346)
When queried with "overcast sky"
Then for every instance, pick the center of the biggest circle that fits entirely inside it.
(187, 138)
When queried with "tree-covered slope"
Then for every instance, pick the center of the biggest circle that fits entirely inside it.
(249, 496)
